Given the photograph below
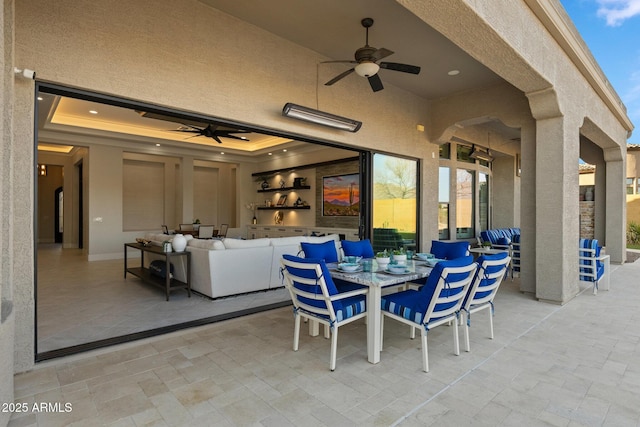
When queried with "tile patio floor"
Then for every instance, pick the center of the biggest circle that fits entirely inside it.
(571, 365)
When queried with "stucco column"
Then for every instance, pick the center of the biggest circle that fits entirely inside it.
(528, 208)
(616, 200)
(557, 201)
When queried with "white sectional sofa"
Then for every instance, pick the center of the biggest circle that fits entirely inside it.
(226, 267)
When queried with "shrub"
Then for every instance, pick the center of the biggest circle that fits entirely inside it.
(633, 233)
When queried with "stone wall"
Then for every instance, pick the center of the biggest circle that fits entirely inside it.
(587, 215)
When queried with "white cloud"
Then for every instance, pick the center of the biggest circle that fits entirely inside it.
(616, 11)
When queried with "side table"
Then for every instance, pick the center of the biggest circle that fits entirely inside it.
(168, 283)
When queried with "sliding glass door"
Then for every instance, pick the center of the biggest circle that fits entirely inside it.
(394, 202)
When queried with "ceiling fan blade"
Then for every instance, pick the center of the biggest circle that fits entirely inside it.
(381, 53)
(412, 69)
(375, 82)
(344, 61)
(230, 135)
(339, 76)
(216, 138)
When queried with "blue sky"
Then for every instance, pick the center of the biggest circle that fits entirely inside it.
(611, 29)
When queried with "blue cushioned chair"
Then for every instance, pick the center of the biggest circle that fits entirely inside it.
(449, 250)
(591, 269)
(436, 303)
(491, 270)
(316, 298)
(515, 255)
(361, 248)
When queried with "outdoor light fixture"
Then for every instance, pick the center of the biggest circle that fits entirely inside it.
(320, 117)
(481, 155)
(42, 170)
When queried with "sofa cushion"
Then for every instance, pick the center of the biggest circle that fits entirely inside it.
(320, 239)
(325, 251)
(206, 244)
(285, 241)
(241, 244)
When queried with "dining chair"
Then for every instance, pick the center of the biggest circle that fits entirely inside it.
(165, 229)
(205, 232)
(186, 227)
(436, 303)
(223, 230)
(361, 248)
(492, 269)
(316, 298)
(591, 268)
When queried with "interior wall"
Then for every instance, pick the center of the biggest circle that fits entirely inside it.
(47, 186)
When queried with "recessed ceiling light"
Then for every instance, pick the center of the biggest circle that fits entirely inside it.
(222, 152)
(284, 150)
(40, 98)
(93, 111)
(454, 72)
(158, 145)
(271, 154)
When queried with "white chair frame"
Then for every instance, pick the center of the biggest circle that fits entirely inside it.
(592, 269)
(485, 303)
(448, 316)
(317, 315)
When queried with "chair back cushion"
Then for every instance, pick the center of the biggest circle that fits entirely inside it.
(311, 273)
(325, 251)
(449, 250)
(361, 248)
(587, 258)
(436, 275)
(491, 270)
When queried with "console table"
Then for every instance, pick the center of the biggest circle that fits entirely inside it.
(168, 283)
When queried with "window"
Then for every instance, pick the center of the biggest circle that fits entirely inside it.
(465, 215)
(443, 205)
(629, 185)
(445, 151)
(637, 186)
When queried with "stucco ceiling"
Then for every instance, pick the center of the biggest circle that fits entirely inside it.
(330, 27)
(333, 29)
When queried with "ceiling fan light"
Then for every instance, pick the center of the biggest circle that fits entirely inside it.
(367, 69)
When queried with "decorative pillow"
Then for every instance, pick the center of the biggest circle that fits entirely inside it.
(361, 248)
(325, 251)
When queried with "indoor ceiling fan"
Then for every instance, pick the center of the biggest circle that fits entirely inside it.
(367, 58)
(213, 131)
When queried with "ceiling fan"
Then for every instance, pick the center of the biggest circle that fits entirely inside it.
(367, 58)
(213, 131)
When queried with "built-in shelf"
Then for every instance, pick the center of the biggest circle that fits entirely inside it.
(278, 208)
(276, 189)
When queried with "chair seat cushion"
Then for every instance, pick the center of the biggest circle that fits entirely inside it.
(349, 307)
(403, 305)
(361, 248)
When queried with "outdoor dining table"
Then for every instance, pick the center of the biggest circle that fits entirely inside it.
(376, 280)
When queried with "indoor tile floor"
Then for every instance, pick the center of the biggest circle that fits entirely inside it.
(80, 302)
(577, 364)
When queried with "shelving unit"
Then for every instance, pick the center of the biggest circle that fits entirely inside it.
(279, 208)
(283, 189)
